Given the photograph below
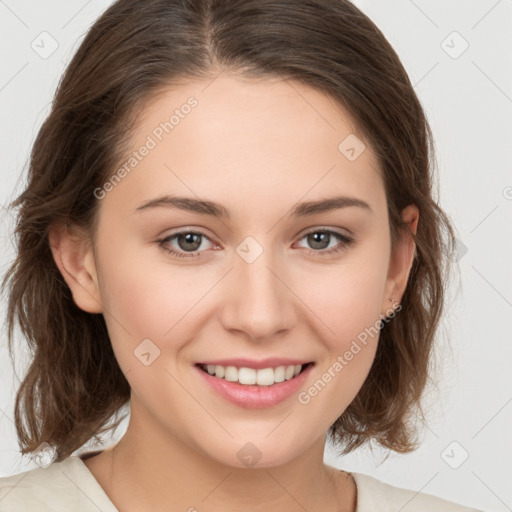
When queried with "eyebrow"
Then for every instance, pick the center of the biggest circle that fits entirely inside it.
(214, 209)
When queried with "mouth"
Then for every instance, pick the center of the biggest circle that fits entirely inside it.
(245, 376)
(266, 384)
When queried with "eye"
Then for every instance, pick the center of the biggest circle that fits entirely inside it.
(188, 243)
(320, 239)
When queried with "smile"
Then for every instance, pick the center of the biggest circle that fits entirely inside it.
(268, 385)
(251, 376)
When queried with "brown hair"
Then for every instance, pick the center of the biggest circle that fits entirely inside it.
(74, 386)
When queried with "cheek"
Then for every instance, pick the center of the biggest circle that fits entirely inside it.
(348, 305)
(351, 340)
(347, 297)
(144, 300)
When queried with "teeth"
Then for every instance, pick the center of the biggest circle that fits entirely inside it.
(279, 374)
(231, 374)
(250, 376)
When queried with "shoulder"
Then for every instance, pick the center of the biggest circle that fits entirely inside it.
(62, 486)
(373, 494)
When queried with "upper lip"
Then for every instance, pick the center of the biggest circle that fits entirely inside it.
(271, 362)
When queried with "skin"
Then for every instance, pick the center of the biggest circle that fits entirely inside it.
(257, 147)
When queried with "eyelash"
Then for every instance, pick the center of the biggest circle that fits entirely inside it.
(345, 240)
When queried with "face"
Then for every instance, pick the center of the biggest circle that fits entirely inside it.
(262, 279)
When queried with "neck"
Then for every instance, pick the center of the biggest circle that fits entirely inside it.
(156, 472)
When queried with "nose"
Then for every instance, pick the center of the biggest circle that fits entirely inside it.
(259, 302)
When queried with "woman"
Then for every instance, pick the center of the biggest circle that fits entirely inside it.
(284, 143)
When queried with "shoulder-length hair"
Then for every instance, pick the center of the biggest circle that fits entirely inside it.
(135, 50)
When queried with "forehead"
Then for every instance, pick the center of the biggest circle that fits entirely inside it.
(249, 142)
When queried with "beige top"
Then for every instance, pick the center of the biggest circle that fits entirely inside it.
(70, 486)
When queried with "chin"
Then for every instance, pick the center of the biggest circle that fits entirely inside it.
(261, 452)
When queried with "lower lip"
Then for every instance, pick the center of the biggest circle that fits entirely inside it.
(255, 396)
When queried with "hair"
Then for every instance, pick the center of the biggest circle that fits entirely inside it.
(135, 50)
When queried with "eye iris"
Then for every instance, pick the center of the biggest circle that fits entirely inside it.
(313, 240)
(189, 238)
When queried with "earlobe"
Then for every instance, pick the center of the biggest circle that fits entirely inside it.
(402, 257)
(73, 255)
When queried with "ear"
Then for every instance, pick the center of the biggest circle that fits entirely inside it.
(402, 258)
(73, 254)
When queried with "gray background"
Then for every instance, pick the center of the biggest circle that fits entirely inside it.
(468, 99)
